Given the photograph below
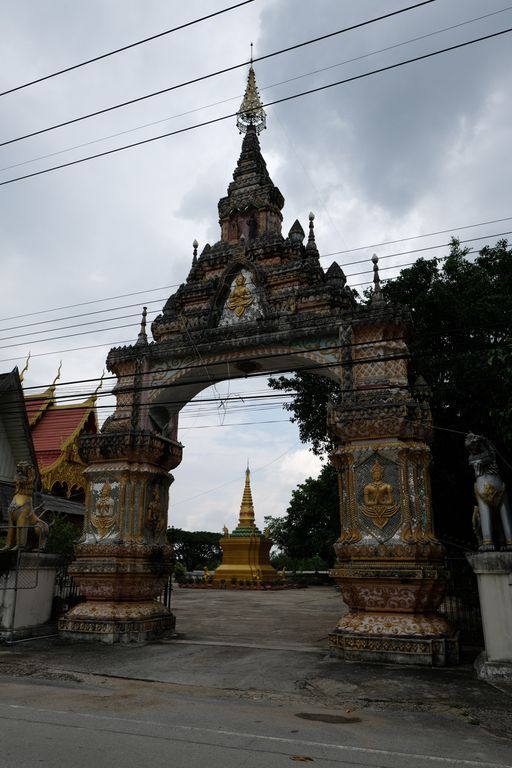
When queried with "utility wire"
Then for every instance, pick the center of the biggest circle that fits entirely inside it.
(129, 341)
(175, 285)
(267, 104)
(213, 74)
(92, 301)
(128, 388)
(155, 311)
(263, 88)
(124, 48)
(416, 237)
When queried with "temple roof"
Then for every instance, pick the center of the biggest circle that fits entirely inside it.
(56, 427)
(59, 426)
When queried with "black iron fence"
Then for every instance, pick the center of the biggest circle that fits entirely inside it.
(461, 604)
(67, 593)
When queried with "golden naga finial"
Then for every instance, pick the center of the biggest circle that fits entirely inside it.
(251, 112)
(95, 393)
(25, 369)
(58, 374)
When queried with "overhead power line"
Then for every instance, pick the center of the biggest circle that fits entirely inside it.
(106, 328)
(124, 48)
(449, 331)
(175, 285)
(262, 89)
(215, 74)
(267, 104)
(416, 237)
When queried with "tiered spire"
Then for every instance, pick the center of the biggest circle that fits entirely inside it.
(143, 337)
(377, 295)
(246, 519)
(252, 207)
(311, 248)
(251, 112)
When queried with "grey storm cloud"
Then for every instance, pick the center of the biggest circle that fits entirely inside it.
(389, 132)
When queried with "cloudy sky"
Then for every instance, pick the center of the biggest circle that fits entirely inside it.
(397, 155)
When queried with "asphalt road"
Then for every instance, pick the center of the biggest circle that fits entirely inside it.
(122, 724)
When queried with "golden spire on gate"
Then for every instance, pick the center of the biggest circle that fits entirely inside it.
(251, 112)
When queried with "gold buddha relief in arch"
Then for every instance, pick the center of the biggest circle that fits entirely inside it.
(242, 303)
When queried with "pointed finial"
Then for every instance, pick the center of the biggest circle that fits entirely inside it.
(25, 369)
(142, 337)
(58, 374)
(377, 292)
(94, 395)
(311, 244)
(246, 519)
(194, 253)
(251, 112)
(251, 54)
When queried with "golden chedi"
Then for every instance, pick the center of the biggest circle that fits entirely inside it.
(245, 551)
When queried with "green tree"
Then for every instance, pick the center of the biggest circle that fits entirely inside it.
(62, 537)
(461, 309)
(312, 522)
(195, 549)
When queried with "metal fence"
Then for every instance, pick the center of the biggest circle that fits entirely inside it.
(461, 604)
(67, 593)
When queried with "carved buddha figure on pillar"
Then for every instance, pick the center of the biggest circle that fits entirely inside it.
(104, 517)
(378, 497)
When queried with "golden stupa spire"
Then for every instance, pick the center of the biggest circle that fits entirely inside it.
(251, 112)
(246, 507)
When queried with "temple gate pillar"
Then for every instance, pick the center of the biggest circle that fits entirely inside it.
(390, 566)
(123, 559)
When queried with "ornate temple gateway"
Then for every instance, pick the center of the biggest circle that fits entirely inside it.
(245, 551)
(259, 301)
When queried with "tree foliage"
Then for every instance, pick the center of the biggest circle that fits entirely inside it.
(312, 521)
(62, 537)
(195, 549)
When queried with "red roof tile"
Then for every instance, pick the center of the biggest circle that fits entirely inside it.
(54, 429)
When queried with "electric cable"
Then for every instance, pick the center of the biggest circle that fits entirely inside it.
(214, 74)
(282, 100)
(261, 89)
(118, 343)
(354, 362)
(124, 48)
(176, 285)
(156, 311)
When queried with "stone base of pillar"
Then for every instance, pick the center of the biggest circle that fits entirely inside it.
(121, 583)
(415, 649)
(110, 622)
(494, 575)
(393, 603)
